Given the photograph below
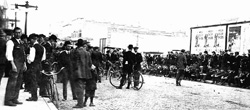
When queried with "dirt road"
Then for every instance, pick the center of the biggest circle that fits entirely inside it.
(160, 93)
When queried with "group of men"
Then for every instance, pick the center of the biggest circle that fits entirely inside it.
(25, 56)
(131, 65)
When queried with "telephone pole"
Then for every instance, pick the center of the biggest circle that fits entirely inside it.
(26, 5)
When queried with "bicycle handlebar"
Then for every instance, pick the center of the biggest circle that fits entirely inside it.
(52, 72)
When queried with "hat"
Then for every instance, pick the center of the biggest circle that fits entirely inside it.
(53, 37)
(67, 43)
(2, 33)
(130, 46)
(96, 48)
(31, 36)
(136, 47)
(182, 50)
(41, 36)
(24, 36)
(81, 42)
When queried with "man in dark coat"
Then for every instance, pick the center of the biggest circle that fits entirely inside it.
(128, 63)
(181, 65)
(36, 56)
(96, 57)
(15, 53)
(65, 61)
(81, 63)
(2, 53)
(137, 66)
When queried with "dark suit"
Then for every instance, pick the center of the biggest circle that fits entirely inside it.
(2, 57)
(65, 61)
(128, 63)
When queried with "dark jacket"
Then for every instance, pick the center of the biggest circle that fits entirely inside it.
(138, 60)
(181, 61)
(96, 57)
(81, 62)
(128, 61)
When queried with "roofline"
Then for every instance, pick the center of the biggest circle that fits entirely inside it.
(224, 24)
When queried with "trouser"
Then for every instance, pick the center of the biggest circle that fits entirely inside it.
(179, 76)
(34, 77)
(14, 83)
(80, 88)
(124, 77)
(2, 70)
(136, 78)
(98, 73)
(67, 76)
(26, 78)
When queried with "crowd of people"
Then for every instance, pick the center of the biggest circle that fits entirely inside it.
(24, 57)
(222, 68)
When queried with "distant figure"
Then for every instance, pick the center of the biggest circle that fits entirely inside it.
(181, 65)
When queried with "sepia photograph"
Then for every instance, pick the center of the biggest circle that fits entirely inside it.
(124, 55)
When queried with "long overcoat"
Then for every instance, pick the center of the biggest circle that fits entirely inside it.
(81, 62)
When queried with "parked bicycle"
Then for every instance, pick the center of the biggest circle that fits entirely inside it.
(52, 88)
(116, 76)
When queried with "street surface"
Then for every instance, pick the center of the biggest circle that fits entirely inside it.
(160, 93)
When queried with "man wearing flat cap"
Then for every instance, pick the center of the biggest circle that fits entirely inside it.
(2, 53)
(36, 56)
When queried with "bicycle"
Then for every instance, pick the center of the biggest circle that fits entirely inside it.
(113, 67)
(116, 76)
(52, 88)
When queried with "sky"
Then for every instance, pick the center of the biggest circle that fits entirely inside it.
(166, 15)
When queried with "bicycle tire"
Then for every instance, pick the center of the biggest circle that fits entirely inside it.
(141, 82)
(115, 78)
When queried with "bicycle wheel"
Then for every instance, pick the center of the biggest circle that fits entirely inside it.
(138, 82)
(115, 77)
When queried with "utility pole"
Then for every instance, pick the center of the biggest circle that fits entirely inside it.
(26, 13)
